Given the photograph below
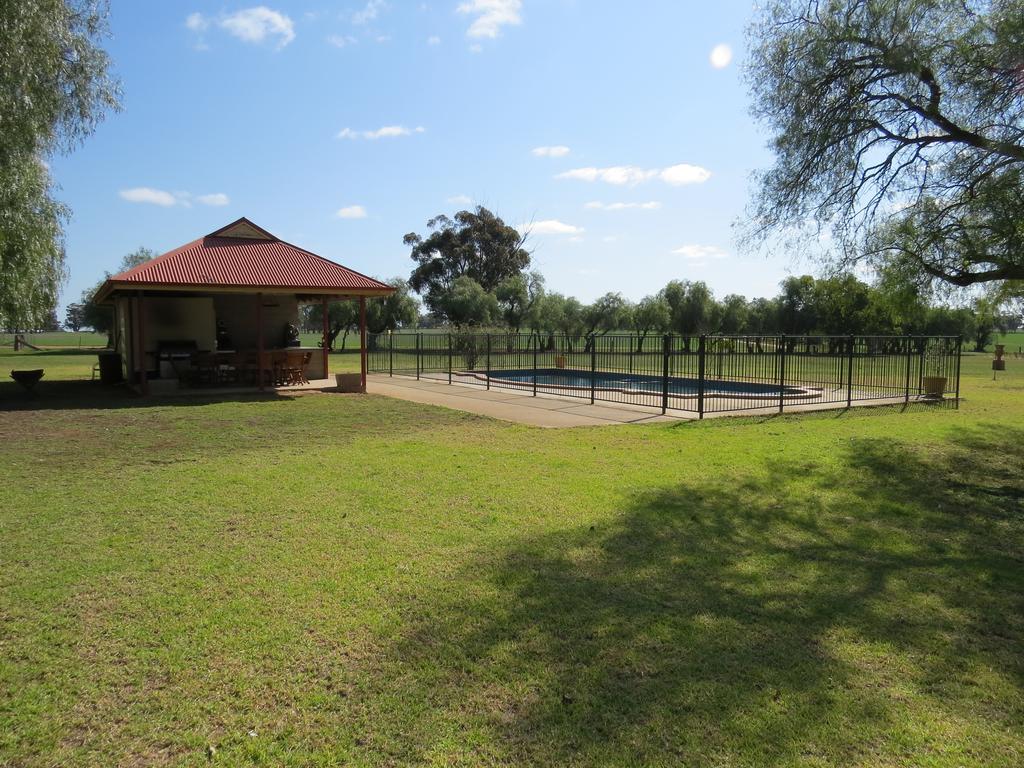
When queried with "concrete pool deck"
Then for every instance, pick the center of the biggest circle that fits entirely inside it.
(553, 411)
(509, 405)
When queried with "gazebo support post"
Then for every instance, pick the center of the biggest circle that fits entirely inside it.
(362, 342)
(324, 344)
(143, 378)
(259, 339)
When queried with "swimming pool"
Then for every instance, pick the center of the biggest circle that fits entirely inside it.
(638, 384)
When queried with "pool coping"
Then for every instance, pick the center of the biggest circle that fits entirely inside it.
(791, 393)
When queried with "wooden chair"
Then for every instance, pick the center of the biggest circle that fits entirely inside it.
(294, 369)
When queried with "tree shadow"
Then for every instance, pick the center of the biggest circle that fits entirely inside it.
(75, 394)
(812, 612)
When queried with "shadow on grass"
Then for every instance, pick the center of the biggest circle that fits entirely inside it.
(90, 395)
(808, 614)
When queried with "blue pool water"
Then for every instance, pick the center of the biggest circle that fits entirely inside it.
(636, 382)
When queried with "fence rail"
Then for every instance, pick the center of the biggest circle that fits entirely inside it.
(696, 374)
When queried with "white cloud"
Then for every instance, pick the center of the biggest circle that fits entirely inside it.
(651, 205)
(433, 40)
(550, 227)
(197, 22)
(341, 41)
(254, 25)
(557, 151)
(351, 212)
(721, 56)
(369, 12)
(214, 198)
(476, 48)
(676, 175)
(616, 174)
(700, 252)
(384, 132)
(491, 16)
(460, 200)
(149, 195)
(167, 199)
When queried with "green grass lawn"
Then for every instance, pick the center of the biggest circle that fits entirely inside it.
(331, 579)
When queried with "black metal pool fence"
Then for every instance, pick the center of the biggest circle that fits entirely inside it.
(696, 374)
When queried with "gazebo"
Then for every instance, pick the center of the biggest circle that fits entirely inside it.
(231, 299)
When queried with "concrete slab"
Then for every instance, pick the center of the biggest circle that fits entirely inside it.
(552, 410)
(540, 411)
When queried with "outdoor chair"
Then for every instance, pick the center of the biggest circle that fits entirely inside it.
(294, 369)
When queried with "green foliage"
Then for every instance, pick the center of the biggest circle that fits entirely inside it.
(390, 313)
(518, 296)
(477, 245)
(54, 88)
(897, 124)
(468, 303)
(342, 317)
(100, 317)
(608, 313)
(74, 317)
(651, 314)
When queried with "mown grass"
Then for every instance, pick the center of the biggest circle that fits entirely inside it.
(329, 579)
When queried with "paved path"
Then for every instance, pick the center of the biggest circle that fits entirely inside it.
(509, 405)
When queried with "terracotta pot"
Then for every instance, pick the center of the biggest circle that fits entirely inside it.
(349, 382)
(560, 361)
(934, 386)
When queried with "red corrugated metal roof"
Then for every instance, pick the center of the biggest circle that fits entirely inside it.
(259, 261)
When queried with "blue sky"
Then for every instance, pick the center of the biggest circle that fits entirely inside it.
(342, 126)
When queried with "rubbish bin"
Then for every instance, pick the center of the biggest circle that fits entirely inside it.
(110, 367)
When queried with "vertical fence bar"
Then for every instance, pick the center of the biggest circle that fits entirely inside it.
(852, 341)
(418, 356)
(535, 365)
(391, 353)
(666, 346)
(921, 365)
(782, 372)
(959, 343)
(593, 369)
(701, 370)
(449, 358)
(488, 361)
(906, 383)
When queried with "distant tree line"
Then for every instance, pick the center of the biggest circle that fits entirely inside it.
(473, 272)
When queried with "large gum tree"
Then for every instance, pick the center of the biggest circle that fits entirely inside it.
(898, 127)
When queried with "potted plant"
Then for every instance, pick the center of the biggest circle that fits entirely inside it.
(933, 382)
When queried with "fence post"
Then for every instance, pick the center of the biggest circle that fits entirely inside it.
(418, 349)
(593, 369)
(449, 358)
(534, 365)
(849, 371)
(782, 372)
(488, 361)
(906, 387)
(666, 351)
(959, 343)
(391, 353)
(701, 370)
